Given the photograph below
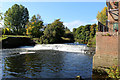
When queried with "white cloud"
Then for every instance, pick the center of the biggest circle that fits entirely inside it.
(94, 20)
(77, 23)
(74, 24)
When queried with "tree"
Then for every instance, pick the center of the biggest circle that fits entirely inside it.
(1, 18)
(84, 34)
(34, 26)
(16, 18)
(53, 32)
(36, 18)
(92, 30)
(92, 40)
(101, 16)
(68, 36)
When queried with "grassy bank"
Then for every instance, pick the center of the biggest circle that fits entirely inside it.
(37, 40)
(15, 41)
(6, 36)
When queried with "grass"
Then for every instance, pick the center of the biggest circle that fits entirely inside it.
(36, 40)
(14, 36)
(68, 39)
(6, 36)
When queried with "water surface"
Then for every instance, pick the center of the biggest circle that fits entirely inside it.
(45, 64)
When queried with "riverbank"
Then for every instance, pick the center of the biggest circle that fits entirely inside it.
(15, 42)
(100, 74)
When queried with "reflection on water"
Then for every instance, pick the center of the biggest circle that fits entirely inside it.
(47, 64)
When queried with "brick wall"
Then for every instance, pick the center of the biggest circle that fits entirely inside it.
(106, 44)
(106, 49)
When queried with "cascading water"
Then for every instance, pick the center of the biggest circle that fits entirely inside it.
(59, 47)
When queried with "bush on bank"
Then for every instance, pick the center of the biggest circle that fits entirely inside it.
(114, 72)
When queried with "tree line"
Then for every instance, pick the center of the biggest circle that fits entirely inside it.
(17, 22)
(84, 34)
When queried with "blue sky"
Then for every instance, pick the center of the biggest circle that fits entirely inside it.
(73, 14)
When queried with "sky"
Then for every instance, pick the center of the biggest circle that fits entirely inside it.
(72, 14)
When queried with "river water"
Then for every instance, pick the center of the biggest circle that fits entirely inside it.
(47, 63)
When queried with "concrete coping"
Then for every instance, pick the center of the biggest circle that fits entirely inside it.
(107, 33)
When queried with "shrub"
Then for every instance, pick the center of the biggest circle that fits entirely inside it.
(113, 72)
(108, 34)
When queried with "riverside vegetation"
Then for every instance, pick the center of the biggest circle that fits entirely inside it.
(16, 22)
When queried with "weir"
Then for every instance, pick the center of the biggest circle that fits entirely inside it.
(60, 47)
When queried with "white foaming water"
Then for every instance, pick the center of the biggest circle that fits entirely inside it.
(59, 47)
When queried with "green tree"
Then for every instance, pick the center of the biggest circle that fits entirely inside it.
(83, 34)
(101, 16)
(1, 18)
(36, 18)
(92, 30)
(34, 26)
(16, 18)
(53, 32)
(68, 35)
(74, 30)
(92, 40)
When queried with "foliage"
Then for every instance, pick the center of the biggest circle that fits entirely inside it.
(6, 31)
(1, 18)
(68, 35)
(107, 34)
(74, 31)
(36, 40)
(113, 72)
(53, 32)
(84, 34)
(34, 27)
(16, 18)
(44, 39)
(97, 28)
(6, 36)
(101, 16)
(92, 31)
(92, 42)
(99, 74)
(17, 21)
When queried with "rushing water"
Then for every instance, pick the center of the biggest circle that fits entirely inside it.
(45, 64)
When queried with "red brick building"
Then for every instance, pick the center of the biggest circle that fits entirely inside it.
(112, 13)
(107, 37)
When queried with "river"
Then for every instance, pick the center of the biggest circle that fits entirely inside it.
(46, 61)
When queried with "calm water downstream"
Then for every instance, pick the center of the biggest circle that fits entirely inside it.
(45, 64)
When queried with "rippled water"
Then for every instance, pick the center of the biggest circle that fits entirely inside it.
(45, 64)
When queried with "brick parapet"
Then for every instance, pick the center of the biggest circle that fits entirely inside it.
(107, 44)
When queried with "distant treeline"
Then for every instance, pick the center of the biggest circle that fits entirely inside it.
(17, 22)
(85, 34)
